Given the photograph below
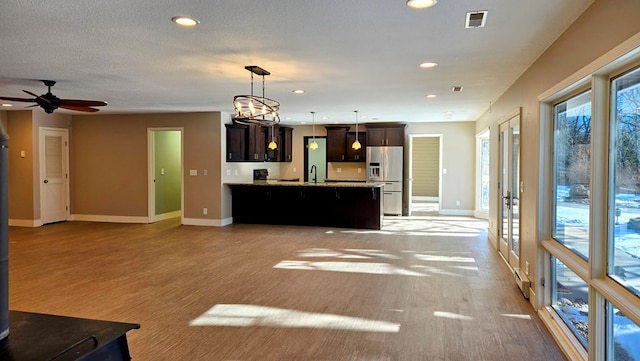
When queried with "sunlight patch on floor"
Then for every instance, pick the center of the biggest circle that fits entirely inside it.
(349, 267)
(240, 315)
(517, 315)
(454, 316)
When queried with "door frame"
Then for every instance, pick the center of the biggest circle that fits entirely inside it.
(151, 188)
(512, 259)
(41, 170)
(410, 168)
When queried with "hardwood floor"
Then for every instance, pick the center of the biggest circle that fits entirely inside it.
(426, 288)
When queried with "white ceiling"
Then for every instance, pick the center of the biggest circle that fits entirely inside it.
(345, 54)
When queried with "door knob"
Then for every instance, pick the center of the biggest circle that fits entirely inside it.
(46, 181)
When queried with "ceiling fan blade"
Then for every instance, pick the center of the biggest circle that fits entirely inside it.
(38, 96)
(32, 106)
(82, 103)
(18, 99)
(79, 108)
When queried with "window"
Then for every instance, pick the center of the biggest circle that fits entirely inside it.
(484, 174)
(572, 166)
(624, 209)
(623, 335)
(570, 296)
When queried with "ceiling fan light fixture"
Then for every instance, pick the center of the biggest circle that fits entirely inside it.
(421, 4)
(185, 21)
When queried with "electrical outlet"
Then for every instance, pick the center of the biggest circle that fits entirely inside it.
(294, 169)
(457, 203)
(359, 170)
(205, 211)
(204, 172)
(235, 172)
(339, 170)
(228, 171)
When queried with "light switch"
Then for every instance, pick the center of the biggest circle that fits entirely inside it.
(193, 172)
(23, 154)
(444, 170)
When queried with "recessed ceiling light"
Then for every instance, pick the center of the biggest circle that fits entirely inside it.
(428, 64)
(325, 118)
(185, 21)
(303, 122)
(298, 91)
(6, 105)
(432, 95)
(421, 4)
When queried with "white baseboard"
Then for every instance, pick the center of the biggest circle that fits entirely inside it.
(25, 222)
(456, 212)
(165, 216)
(207, 222)
(424, 199)
(108, 219)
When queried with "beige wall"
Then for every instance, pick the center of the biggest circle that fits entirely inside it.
(599, 29)
(109, 164)
(458, 158)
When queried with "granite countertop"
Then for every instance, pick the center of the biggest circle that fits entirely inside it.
(282, 183)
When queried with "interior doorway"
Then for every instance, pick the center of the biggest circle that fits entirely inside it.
(315, 157)
(54, 175)
(425, 163)
(165, 173)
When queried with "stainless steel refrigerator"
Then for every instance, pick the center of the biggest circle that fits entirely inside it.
(385, 164)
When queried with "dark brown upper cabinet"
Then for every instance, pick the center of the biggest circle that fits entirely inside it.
(385, 134)
(337, 143)
(248, 143)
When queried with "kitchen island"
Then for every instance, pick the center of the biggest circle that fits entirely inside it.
(335, 204)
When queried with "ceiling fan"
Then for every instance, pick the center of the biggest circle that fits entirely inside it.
(50, 102)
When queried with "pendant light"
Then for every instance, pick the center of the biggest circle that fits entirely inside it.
(254, 109)
(272, 144)
(313, 145)
(356, 145)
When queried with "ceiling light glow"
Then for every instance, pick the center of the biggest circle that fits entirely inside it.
(298, 91)
(6, 105)
(431, 95)
(421, 4)
(185, 21)
(428, 64)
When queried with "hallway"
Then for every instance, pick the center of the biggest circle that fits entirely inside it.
(423, 288)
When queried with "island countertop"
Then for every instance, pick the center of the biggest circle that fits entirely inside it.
(281, 183)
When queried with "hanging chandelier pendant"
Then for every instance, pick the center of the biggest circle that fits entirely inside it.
(254, 109)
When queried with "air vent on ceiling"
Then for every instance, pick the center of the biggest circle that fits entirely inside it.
(456, 88)
(476, 19)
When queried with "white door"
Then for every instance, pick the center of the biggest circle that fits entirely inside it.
(54, 175)
(509, 215)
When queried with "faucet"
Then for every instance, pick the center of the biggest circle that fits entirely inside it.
(315, 177)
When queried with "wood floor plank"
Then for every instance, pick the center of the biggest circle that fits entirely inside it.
(428, 288)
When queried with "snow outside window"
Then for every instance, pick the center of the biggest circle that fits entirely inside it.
(571, 171)
(624, 212)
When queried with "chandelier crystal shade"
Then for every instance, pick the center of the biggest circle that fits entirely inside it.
(254, 109)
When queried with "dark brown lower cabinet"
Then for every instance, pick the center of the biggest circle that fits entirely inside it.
(325, 206)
